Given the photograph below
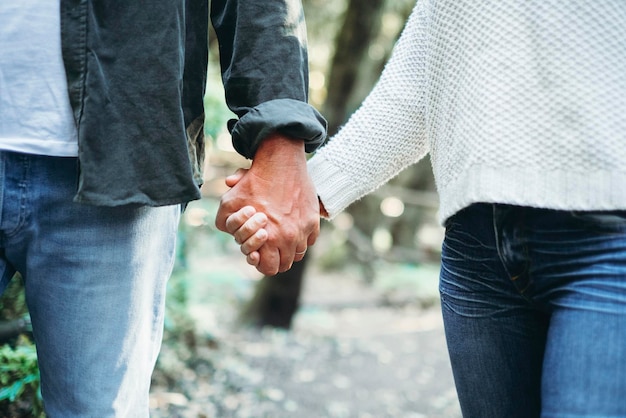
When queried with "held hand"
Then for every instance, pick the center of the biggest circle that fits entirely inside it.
(247, 227)
(277, 184)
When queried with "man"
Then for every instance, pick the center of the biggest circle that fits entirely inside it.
(101, 142)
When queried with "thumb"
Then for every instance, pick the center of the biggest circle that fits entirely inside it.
(233, 179)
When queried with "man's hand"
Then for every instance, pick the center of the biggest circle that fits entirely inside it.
(277, 185)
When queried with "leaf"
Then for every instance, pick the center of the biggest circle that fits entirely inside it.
(12, 392)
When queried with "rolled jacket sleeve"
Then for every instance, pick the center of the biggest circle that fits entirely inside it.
(290, 117)
(264, 64)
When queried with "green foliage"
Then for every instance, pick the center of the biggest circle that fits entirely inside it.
(19, 380)
(19, 373)
(408, 283)
(178, 322)
(12, 302)
(333, 256)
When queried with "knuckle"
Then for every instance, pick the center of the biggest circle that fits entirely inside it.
(224, 201)
(267, 268)
(290, 235)
(285, 265)
(230, 225)
(269, 271)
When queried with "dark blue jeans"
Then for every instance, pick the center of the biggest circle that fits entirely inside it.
(534, 305)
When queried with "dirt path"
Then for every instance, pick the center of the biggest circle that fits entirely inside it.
(349, 355)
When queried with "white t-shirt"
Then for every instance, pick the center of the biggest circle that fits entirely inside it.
(35, 111)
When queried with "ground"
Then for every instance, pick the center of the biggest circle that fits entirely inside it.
(356, 350)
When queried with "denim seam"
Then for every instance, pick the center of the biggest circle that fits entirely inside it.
(512, 278)
(497, 240)
(2, 184)
(23, 191)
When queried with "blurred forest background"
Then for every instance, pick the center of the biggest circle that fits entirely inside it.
(362, 303)
(349, 44)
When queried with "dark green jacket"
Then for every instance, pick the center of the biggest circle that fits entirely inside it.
(136, 74)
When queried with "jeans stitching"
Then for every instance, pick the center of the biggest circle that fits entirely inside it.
(513, 278)
(23, 197)
(20, 162)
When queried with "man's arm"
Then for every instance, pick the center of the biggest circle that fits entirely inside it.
(264, 66)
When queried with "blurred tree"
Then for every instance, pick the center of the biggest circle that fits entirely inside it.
(360, 27)
(366, 213)
(276, 297)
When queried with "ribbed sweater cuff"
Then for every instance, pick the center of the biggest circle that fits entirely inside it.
(334, 188)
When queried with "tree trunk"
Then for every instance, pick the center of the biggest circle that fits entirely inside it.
(276, 297)
(361, 24)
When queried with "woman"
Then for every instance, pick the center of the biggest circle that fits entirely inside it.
(521, 106)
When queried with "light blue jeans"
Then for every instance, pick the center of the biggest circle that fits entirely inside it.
(534, 306)
(95, 281)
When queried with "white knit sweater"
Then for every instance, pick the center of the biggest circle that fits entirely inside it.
(517, 101)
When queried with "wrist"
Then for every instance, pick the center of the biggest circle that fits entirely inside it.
(281, 149)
